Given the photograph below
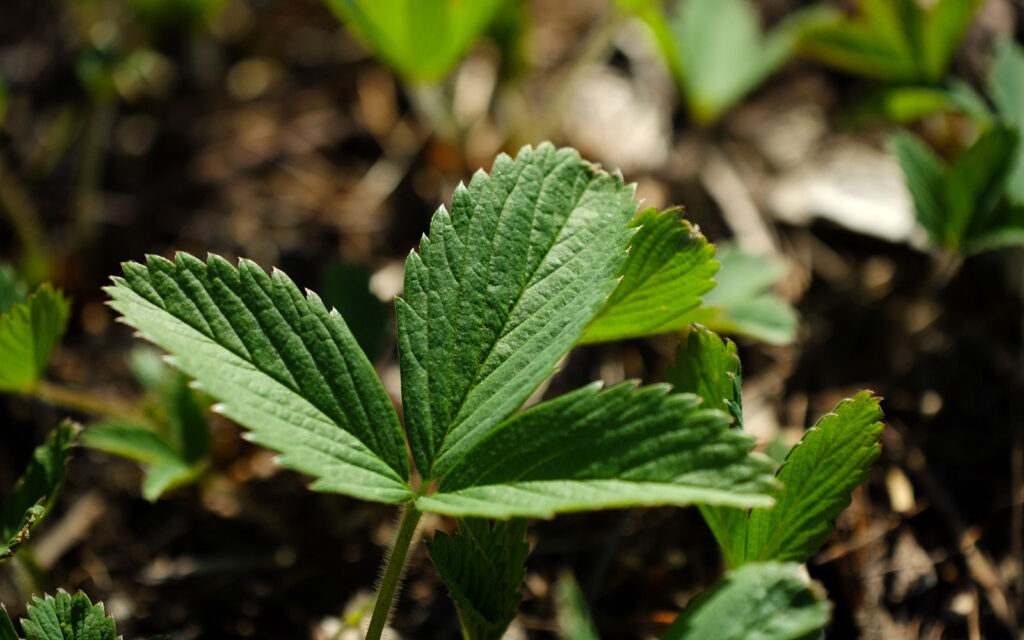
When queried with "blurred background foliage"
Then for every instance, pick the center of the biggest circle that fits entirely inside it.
(860, 160)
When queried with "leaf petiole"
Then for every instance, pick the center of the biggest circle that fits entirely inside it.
(394, 568)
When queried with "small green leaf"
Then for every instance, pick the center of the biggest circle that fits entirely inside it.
(817, 478)
(7, 631)
(708, 367)
(904, 104)
(282, 365)
(186, 413)
(161, 478)
(742, 303)
(925, 173)
(421, 39)
(669, 267)
(67, 617)
(502, 288)
(1006, 85)
(717, 51)
(761, 601)
(574, 619)
(483, 567)
(28, 333)
(10, 289)
(130, 441)
(37, 489)
(619, 447)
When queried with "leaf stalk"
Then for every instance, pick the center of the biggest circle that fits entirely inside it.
(395, 567)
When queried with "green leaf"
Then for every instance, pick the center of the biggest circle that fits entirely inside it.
(67, 617)
(708, 367)
(904, 104)
(186, 414)
(346, 287)
(10, 289)
(896, 41)
(959, 203)
(37, 489)
(817, 478)
(483, 567)
(281, 364)
(130, 441)
(28, 333)
(1006, 85)
(421, 39)
(669, 267)
(574, 619)
(717, 51)
(619, 447)
(161, 478)
(6, 626)
(742, 304)
(762, 601)
(501, 290)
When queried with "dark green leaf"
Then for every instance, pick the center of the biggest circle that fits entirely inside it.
(28, 333)
(501, 290)
(186, 413)
(483, 567)
(817, 478)
(669, 266)
(67, 617)
(282, 365)
(619, 447)
(761, 601)
(10, 288)
(6, 626)
(37, 489)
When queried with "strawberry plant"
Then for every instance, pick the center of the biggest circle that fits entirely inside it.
(539, 255)
(61, 617)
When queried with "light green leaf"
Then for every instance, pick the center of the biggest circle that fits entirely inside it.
(130, 441)
(904, 104)
(37, 489)
(897, 41)
(282, 365)
(421, 39)
(10, 288)
(483, 567)
(717, 51)
(620, 447)
(742, 304)
(67, 617)
(501, 290)
(708, 367)
(669, 267)
(574, 619)
(762, 601)
(161, 478)
(817, 478)
(28, 333)
(1006, 84)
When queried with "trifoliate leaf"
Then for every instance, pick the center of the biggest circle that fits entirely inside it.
(420, 40)
(67, 617)
(761, 601)
(10, 288)
(28, 333)
(501, 290)
(483, 567)
(37, 489)
(281, 364)
(817, 478)
(893, 40)
(574, 619)
(593, 449)
(708, 367)
(742, 304)
(717, 51)
(1006, 85)
(669, 267)
(959, 204)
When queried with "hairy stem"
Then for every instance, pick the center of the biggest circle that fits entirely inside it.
(86, 402)
(393, 571)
